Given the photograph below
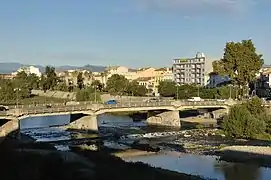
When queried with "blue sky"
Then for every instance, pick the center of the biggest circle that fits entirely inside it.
(133, 33)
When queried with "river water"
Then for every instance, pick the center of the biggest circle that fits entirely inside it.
(46, 129)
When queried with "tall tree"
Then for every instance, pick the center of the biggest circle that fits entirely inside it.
(240, 61)
(50, 78)
(167, 88)
(80, 80)
(98, 85)
(117, 84)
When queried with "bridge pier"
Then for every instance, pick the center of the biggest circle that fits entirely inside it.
(168, 118)
(8, 127)
(88, 122)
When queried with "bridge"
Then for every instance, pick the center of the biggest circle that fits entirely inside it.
(165, 113)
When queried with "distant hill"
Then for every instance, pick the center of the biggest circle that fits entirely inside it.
(6, 68)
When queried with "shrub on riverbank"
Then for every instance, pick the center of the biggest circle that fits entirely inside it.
(248, 120)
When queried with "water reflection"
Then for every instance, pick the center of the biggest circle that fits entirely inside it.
(109, 120)
(206, 166)
(44, 121)
(240, 171)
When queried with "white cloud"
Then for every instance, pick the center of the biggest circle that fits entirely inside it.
(194, 7)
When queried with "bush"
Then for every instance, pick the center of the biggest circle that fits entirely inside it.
(87, 95)
(248, 120)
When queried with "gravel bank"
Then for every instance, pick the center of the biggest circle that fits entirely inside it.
(259, 150)
(260, 155)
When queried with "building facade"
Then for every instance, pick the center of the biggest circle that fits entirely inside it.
(29, 70)
(192, 70)
(215, 80)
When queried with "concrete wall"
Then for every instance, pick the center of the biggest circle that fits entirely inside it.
(168, 118)
(55, 94)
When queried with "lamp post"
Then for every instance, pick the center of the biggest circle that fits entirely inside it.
(177, 93)
(198, 89)
(17, 96)
(230, 90)
(95, 94)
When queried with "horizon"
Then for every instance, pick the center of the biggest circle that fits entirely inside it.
(135, 33)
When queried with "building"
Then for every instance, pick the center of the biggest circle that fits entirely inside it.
(192, 70)
(6, 76)
(70, 77)
(215, 80)
(148, 82)
(29, 70)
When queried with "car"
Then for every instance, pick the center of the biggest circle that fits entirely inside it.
(195, 99)
(48, 106)
(153, 100)
(3, 108)
(220, 100)
(111, 102)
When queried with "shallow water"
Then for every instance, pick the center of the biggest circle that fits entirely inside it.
(44, 129)
(206, 166)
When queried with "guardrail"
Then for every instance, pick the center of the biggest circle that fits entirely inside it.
(96, 107)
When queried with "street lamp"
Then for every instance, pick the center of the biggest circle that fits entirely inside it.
(177, 93)
(198, 89)
(95, 96)
(230, 85)
(17, 96)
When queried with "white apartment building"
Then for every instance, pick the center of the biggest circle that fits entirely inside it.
(29, 70)
(192, 70)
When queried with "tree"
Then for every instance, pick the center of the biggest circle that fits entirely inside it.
(99, 86)
(88, 94)
(135, 89)
(167, 88)
(240, 62)
(117, 84)
(247, 120)
(49, 79)
(80, 80)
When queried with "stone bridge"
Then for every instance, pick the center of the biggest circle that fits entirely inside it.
(164, 113)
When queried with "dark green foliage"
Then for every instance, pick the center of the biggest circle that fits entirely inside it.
(169, 89)
(99, 86)
(119, 85)
(241, 62)
(248, 120)
(49, 79)
(88, 94)
(134, 89)
(80, 80)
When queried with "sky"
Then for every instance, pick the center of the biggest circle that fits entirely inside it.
(133, 33)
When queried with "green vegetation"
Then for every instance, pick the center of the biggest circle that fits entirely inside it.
(248, 120)
(170, 89)
(240, 62)
(119, 85)
(88, 94)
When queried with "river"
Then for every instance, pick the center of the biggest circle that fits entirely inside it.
(46, 129)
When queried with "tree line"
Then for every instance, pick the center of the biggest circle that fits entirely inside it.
(22, 84)
(170, 89)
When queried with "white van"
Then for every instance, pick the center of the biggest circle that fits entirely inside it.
(195, 99)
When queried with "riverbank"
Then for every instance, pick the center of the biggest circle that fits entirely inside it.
(260, 155)
(41, 161)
